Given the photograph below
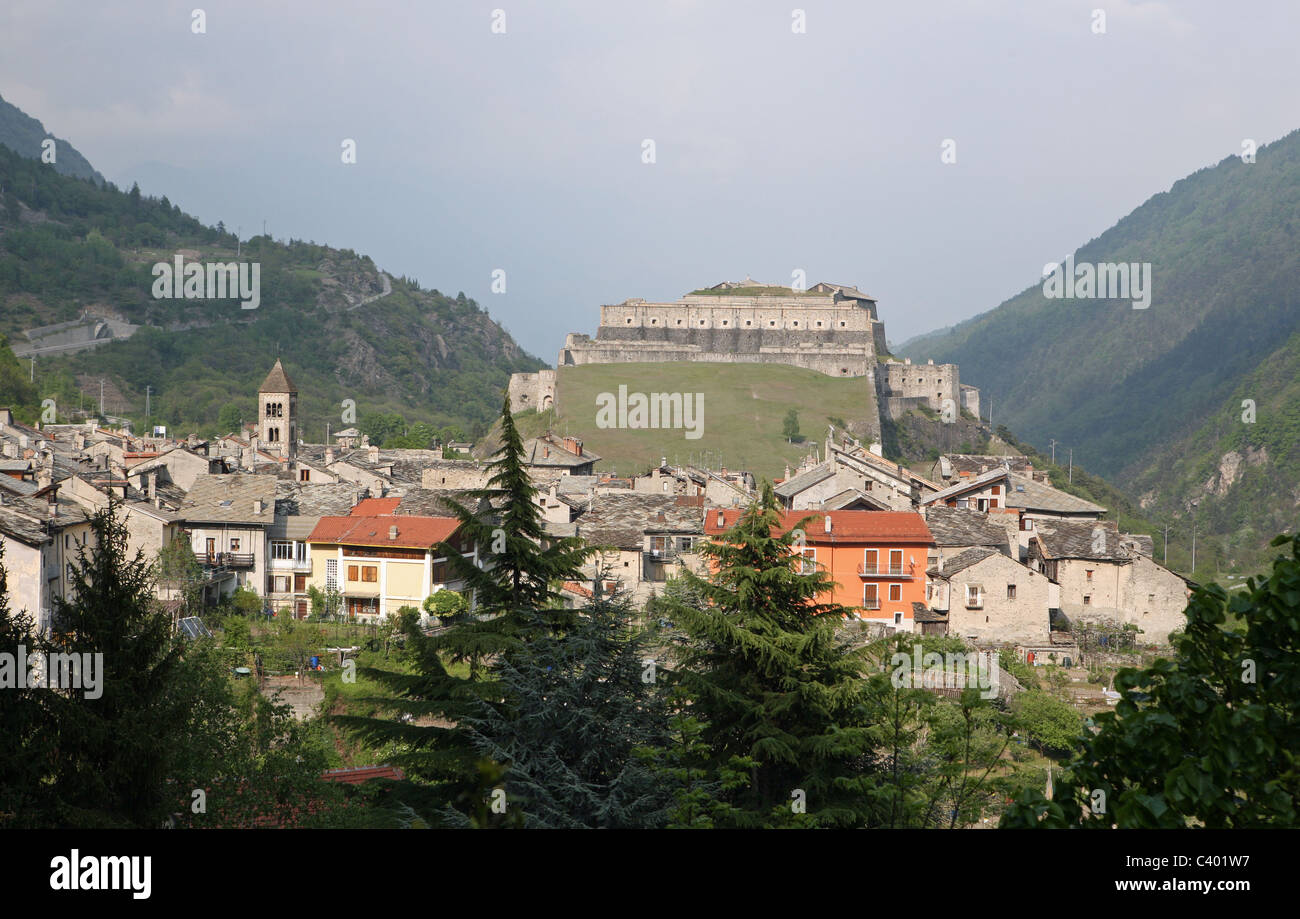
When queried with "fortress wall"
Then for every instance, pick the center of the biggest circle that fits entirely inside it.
(729, 338)
(532, 391)
(838, 362)
(932, 382)
(736, 313)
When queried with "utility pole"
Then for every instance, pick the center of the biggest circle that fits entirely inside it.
(33, 377)
(148, 391)
(1053, 451)
(239, 242)
(1195, 504)
(101, 396)
(1072, 465)
(1166, 561)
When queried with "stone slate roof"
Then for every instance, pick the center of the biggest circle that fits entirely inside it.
(21, 524)
(621, 520)
(1039, 496)
(229, 499)
(975, 463)
(921, 613)
(277, 380)
(429, 502)
(1141, 544)
(851, 496)
(963, 561)
(550, 451)
(1075, 539)
(303, 499)
(804, 480)
(1020, 492)
(959, 526)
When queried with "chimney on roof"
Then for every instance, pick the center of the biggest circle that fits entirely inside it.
(79, 440)
(392, 531)
(573, 445)
(44, 476)
(373, 454)
(827, 518)
(152, 478)
(329, 456)
(365, 440)
(722, 518)
(257, 505)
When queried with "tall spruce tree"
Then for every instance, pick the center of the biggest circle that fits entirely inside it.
(116, 743)
(520, 568)
(514, 590)
(575, 721)
(773, 688)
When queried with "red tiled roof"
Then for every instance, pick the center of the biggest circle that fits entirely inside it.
(859, 526)
(412, 532)
(361, 774)
(576, 588)
(371, 507)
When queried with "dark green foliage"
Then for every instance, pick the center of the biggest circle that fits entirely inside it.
(790, 427)
(513, 599)
(524, 567)
(774, 690)
(574, 723)
(115, 751)
(1210, 738)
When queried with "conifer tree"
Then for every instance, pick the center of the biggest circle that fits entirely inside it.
(117, 740)
(575, 721)
(520, 568)
(773, 688)
(514, 598)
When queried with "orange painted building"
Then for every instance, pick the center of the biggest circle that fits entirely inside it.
(877, 559)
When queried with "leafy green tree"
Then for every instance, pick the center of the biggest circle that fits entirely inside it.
(1053, 725)
(574, 721)
(1209, 738)
(177, 569)
(446, 605)
(790, 427)
(229, 418)
(774, 689)
(247, 602)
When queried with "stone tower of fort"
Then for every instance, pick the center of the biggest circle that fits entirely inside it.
(831, 328)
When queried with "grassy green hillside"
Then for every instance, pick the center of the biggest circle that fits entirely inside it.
(745, 406)
(1148, 397)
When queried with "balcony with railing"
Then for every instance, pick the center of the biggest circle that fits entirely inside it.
(230, 560)
(892, 571)
(300, 565)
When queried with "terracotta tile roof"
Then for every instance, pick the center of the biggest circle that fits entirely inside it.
(412, 532)
(858, 526)
(372, 507)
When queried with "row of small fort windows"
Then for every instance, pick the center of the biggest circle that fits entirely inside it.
(275, 410)
(770, 322)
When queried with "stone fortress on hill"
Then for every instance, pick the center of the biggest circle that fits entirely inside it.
(831, 328)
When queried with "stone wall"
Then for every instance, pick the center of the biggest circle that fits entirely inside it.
(532, 391)
(932, 382)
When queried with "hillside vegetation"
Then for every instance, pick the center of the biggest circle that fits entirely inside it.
(1152, 398)
(70, 246)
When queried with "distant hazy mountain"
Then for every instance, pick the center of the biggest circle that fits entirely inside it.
(1153, 398)
(23, 134)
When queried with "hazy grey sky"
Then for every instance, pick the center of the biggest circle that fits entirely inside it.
(775, 150)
